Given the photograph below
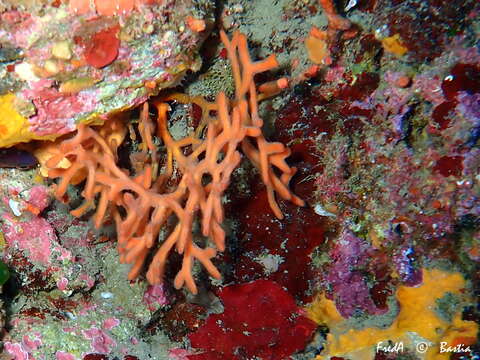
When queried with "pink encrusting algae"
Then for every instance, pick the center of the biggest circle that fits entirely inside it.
(155, 297)
(61, 355)
(16, 350)
(34, 236)
(101, 342)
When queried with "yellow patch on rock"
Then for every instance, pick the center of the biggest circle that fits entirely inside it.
(393, 44)
(13, 126)
(416, 322)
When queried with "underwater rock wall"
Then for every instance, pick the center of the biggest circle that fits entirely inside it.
(379, 104)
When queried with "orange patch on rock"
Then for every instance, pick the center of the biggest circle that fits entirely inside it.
(317, 50)
(107, 8)
(125, 6)
(80, 7)
(317, 47)
(196, 25)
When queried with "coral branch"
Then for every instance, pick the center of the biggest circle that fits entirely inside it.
(143, 205)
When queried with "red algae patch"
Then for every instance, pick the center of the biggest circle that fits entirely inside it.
(104, 48)
(444, 113)
(463, 77)
(449, 165)
(279, 251)
(260, 320)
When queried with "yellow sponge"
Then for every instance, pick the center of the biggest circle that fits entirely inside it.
(13, 126)
(417, 323)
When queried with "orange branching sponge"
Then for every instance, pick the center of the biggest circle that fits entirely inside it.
(337, 24)
(335, 21)
(144, 204)
(264, 155)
